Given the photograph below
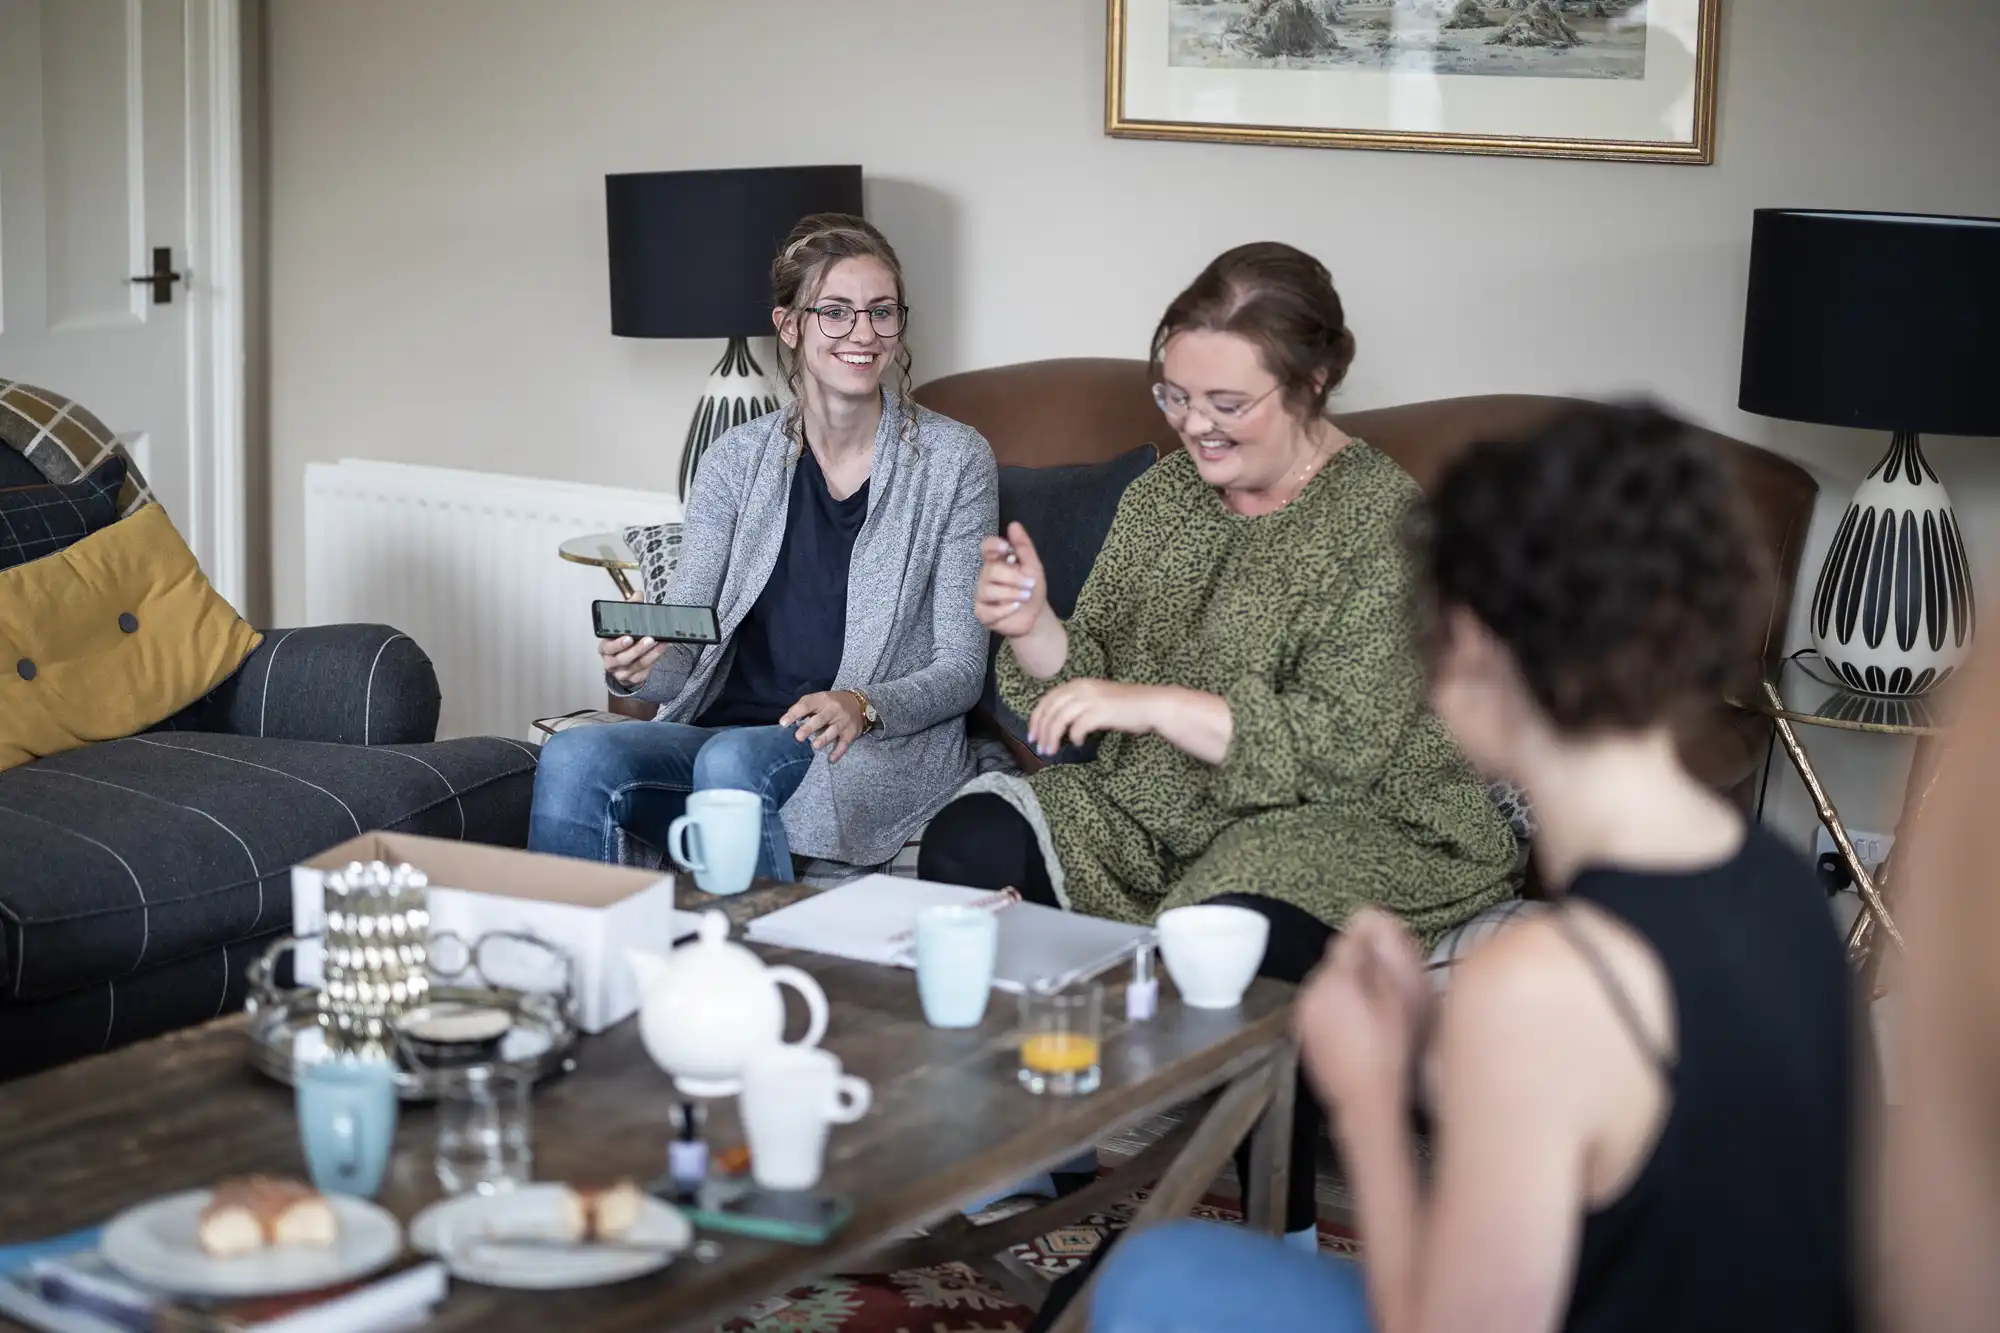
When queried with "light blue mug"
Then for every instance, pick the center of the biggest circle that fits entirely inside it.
(956, 947)
(347, 1123)
(719, 838)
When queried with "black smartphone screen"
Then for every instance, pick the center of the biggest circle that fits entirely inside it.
(654, 620)
(821, 1212)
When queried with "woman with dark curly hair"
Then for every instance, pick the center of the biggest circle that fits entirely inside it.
(1644, 1097)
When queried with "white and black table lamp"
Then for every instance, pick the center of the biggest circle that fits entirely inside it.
(691, 256)
(1890, 322)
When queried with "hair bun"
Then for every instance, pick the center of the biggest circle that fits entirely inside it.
(1280, 299)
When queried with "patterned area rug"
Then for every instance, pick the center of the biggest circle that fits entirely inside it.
(952, 1298)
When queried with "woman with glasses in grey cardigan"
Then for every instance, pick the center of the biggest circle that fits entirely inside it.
(838, 541)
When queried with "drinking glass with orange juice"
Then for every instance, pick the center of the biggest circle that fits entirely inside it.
(1061, 1035)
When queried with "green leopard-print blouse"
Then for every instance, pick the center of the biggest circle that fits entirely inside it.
(1341, 787)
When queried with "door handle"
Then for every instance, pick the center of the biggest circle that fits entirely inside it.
(163, 277)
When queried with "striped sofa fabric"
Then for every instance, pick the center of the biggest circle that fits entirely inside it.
(141, 874)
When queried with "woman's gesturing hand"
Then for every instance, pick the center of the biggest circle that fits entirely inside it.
(1362, 1012)
(1076, 710)
(1013, 592)
(829, 718)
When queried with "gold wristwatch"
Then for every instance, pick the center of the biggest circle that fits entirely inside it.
(870, 719)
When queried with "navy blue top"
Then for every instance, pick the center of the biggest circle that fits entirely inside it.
(790, 644)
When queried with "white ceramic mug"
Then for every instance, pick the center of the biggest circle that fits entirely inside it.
(1213, 950)
(790, 1095)
(719, 838)
(956, 949)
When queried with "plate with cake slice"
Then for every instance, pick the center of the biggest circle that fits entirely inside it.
(551, 1235)
(251, 1236)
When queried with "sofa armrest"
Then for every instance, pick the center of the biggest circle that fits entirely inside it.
(347, 684)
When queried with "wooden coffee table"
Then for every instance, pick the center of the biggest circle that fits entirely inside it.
(949, 1125)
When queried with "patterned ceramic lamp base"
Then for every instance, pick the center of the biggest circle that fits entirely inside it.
(738, 391)
(1893, 612)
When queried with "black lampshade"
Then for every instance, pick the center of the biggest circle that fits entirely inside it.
(691, 251)
(1881, 320)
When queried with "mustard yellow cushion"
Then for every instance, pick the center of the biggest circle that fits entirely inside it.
(107, 637)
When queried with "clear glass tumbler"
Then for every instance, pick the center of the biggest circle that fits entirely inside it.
(1061, 1035)
(485, 1139)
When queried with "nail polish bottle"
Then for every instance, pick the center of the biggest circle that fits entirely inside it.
(1142, 995)
(687, 1154)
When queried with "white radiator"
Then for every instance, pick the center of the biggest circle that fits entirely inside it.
(465, 563)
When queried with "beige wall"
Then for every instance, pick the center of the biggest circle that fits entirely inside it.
(437, 244)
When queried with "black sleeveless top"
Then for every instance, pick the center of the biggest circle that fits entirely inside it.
(1742, 1219)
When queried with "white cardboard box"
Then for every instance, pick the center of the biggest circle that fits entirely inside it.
(589, 911)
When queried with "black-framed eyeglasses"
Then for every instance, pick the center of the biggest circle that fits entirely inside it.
(1175, 406)
(837, 320)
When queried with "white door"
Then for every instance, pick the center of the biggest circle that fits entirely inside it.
(94, 142)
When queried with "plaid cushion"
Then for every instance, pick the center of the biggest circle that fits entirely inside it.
(64, 440)
(1461, 939)
(41, 520)
(658, 550)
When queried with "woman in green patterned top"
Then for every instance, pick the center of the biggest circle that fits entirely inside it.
(1243, 651)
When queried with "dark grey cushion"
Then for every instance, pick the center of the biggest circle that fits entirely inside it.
(1067, 512)
(43, 518)
(348, 684)
(16, 470)
(133, 853)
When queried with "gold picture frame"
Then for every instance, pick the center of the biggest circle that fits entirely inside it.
(1178, 70)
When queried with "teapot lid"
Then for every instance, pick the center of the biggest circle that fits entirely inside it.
(712, 955)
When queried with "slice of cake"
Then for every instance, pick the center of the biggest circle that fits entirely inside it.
(248, 1213)
(600, 1212)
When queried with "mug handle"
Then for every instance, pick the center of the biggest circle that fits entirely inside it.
(814, 997)
(851, 1099)
(677, 844)
(347, 1130)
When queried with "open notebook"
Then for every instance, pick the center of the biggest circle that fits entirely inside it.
(874, 920)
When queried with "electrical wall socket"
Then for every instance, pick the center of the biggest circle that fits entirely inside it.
(1872, 848)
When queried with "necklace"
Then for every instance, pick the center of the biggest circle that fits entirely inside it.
(1296, 482)
(1303, 477)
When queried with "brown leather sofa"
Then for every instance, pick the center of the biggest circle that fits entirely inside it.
(1088, 410)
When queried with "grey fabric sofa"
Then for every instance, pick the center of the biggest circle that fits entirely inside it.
(139, 877)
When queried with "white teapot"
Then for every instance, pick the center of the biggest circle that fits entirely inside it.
(710, 1006)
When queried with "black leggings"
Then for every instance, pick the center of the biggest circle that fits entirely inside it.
(981, 841)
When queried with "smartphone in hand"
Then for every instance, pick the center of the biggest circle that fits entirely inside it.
(658, 621)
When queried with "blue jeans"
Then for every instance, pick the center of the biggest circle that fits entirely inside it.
(1200, 1277)
(593, 781)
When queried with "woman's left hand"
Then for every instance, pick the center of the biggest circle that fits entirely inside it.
(829, 718)
(1076, 710)
(1362, 1012)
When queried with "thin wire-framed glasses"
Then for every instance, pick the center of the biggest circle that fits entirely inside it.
(837, 320)
(1175, 405)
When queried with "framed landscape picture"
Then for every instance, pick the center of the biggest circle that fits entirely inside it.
(1626, 80)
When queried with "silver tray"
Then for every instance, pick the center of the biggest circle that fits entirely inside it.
(284, 1022)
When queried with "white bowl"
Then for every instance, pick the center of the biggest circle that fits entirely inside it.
(1213, 952)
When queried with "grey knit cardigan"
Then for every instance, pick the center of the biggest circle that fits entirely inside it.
(913, 645)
